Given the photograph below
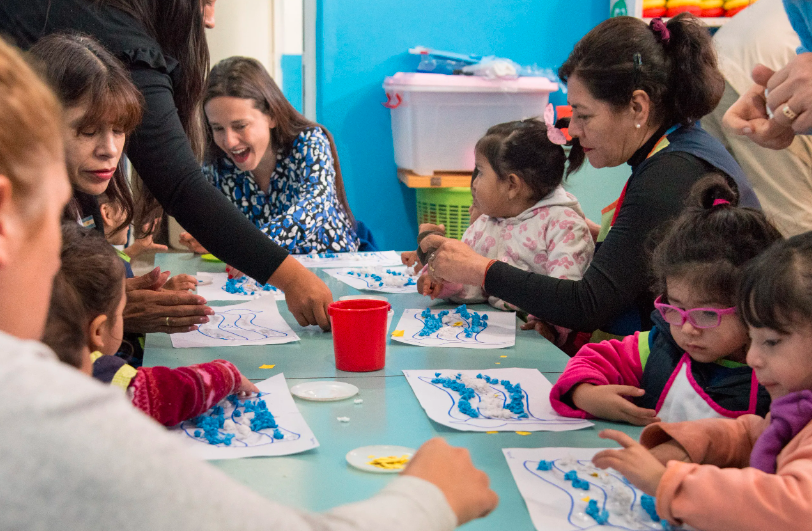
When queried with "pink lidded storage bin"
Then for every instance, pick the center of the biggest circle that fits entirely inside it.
(437, 119)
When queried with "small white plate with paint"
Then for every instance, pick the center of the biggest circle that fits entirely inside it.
(360, 457)
(324, 391)
(204, 279)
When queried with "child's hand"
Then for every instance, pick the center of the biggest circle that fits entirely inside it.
(634, 461)
(542, 328)
(410, 259)
(429, 287)
(142, 245)
(609, 402)
(233, 272)
(181, 283)
(246, 387)
(189, 241)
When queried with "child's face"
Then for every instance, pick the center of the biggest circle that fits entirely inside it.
(781, 361)
(112, 332)
(706, 345)
(242, 131)
(490, 193)
(91, 154)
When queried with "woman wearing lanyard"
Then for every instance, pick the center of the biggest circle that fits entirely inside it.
(636, 92)
(163, 45)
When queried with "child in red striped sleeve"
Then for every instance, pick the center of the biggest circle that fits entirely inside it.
(96, 274)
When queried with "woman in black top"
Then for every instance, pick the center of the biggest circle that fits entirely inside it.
(162, 44)
(636, 93)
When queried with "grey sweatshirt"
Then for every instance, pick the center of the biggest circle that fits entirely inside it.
(63, 435)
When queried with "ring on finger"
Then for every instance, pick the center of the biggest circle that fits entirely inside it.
(167, 321)
(789, 113)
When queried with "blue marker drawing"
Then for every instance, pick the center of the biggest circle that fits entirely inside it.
(237, 325)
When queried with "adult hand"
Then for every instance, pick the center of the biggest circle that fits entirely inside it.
(306, 295)
(748, 117)
(154, 280)
(189, 241)
(181, 283)
(453, 261)
(634, 461)
(789, 87)
(451, 470)
(609, 402)
(149, 310)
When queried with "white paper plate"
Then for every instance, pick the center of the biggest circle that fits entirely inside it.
(324, 391)
(204, 279)
(360, 457)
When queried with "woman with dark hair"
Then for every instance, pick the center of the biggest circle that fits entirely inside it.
(163, 45)
(102, 107)
(279, 168)
(637, 92)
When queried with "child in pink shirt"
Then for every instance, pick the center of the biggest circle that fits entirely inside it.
(749, 473)
(527, 218)
(690, 365)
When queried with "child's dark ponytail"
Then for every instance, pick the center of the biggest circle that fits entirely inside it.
(712, 240)
(576, 157)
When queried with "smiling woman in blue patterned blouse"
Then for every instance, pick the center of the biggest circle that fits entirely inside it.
(279, 168)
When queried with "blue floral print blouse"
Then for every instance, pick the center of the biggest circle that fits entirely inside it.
(301, 210)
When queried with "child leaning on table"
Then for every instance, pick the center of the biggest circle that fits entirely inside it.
(749, 473)
(527, 218)
(92, 269)
(691, 364)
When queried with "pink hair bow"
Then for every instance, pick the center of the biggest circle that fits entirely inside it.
(554, 134)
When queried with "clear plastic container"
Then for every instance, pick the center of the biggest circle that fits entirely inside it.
(437, 119)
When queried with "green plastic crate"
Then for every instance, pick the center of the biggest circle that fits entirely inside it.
(446, 206)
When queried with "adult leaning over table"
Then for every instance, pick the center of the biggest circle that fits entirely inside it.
(163, 45)
(59, 453)
(637, 92)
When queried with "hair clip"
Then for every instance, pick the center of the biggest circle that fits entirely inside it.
(554, 134)
(660, 30)
(717, 202)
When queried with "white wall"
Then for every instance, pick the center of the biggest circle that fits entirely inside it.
(243, 27)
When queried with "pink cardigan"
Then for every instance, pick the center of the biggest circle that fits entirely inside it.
(723, 492)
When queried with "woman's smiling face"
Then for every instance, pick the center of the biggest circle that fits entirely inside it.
(241, 130)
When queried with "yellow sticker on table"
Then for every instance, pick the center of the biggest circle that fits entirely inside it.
(390, 462)
(208, 257)
(397, 333)
(523, 433)
(267, 366)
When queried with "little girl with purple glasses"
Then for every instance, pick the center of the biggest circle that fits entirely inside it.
(691, 364)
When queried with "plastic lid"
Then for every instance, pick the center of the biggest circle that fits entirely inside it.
(420, 81)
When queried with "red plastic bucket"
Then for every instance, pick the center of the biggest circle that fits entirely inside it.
(359, 334)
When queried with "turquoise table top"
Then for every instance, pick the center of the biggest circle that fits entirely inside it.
(320, 479)
(312, 357)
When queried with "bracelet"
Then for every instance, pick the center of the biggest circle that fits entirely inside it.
(487, 268)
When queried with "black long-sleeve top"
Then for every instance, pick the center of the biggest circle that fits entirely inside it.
(618, 277)
(158, 149)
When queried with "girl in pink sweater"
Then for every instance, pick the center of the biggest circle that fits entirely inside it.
(747, 473)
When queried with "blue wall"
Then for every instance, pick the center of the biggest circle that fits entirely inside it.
(360, 42)
(292, 79)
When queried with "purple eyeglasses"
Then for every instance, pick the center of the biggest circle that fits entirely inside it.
(698, 317)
